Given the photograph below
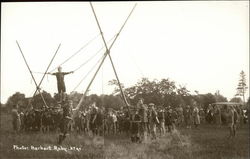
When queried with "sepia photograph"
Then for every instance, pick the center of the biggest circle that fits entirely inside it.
(125, 80)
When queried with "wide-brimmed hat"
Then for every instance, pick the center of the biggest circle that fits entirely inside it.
(151, 104)
(140, 98)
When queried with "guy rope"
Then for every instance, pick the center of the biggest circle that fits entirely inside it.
(78, 51)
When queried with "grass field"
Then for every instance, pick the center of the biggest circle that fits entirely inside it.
(207, 142)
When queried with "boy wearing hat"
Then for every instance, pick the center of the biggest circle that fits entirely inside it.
(153, 120)
(15, 118)
(231, 119)
(65, 121)
(144, 118)
(161, 117)
(135, 126)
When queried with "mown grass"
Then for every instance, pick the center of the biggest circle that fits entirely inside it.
(207, 142)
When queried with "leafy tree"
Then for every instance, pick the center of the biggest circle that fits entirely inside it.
(76, 97)
(242, 86)
(38, 103)
(182, 90)
(198, 98)
(95, 98)
(3, 108)
(111, 101)
(114, 82)
(207, 99)
(17, 98)
(236, 100)
(185, 96)
(219, 97)
(151, 91)
(163, 92)
(248, 103)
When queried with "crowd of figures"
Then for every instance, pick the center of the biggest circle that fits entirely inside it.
(140, 121)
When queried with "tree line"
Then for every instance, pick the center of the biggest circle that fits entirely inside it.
(164, 92)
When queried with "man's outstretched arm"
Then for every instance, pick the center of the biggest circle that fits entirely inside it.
(65, 73)
(51, 73)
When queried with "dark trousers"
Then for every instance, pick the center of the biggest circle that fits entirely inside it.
(61, 88)
(63, 130)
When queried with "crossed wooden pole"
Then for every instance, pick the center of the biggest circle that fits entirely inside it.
(38, 85)
(107, 53)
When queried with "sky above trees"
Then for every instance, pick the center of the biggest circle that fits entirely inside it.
(201, 45)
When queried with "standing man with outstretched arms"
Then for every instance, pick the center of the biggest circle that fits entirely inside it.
(60, 82)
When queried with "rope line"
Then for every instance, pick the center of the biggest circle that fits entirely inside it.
(88, 73)
(37, 72)
(76, 52)
(93, 55)
(135, 63)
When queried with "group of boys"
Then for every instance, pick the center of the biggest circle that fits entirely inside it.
(145, 119)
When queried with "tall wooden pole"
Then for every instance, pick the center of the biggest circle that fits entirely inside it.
(37, 87)
(47, 69)
(104, 57)
(108, 51)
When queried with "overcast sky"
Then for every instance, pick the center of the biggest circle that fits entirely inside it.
(200, 44)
